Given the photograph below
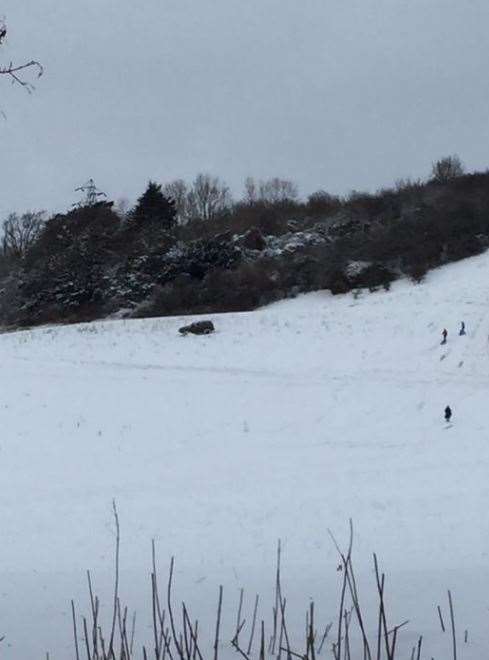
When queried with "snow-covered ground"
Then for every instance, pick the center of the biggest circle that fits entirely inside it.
(284, 423)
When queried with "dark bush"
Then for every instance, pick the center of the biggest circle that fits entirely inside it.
(338, 283)
(417, 272)
(373, 276)
(321, 204)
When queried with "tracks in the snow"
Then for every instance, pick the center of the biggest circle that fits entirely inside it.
(291, 378)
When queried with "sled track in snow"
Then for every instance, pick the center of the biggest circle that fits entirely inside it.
(291, 378)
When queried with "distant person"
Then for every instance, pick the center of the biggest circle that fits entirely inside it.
(444, 335)
(462, 328)
(448, 414)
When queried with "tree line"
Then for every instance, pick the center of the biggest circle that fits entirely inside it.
(190, 248)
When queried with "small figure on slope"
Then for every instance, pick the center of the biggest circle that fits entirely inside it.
(448, 414)
(444, 335)
(462, 329)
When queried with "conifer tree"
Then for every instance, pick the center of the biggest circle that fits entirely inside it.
(153, 209)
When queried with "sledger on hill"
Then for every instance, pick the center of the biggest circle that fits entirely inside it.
(448, 414)
(444, 335)
(462, 328)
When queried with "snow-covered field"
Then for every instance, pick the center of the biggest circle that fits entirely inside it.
(287, 421)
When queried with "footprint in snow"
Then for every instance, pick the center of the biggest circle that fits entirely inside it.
(460, 364)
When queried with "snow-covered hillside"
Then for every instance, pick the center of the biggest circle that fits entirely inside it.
(287, 421)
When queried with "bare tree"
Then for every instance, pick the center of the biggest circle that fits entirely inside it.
(178, 191)
(278, 190)
(20, 232)
(208, 198)
(447, 168)
(270, 191)
(15, 71)
(251, 190)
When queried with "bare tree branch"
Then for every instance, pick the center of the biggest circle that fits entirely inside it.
(15, 71)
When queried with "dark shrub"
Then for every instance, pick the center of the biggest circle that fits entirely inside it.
(373, 276)
(338, 283)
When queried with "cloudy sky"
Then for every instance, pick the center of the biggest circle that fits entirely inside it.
(334, 94)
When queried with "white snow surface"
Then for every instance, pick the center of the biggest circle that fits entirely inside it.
(286, 422)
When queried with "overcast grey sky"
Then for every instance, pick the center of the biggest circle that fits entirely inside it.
(334, 94)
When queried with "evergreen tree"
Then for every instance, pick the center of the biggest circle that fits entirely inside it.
(153, 208)
(66, 269)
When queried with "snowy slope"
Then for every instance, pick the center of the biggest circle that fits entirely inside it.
(286, 422)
